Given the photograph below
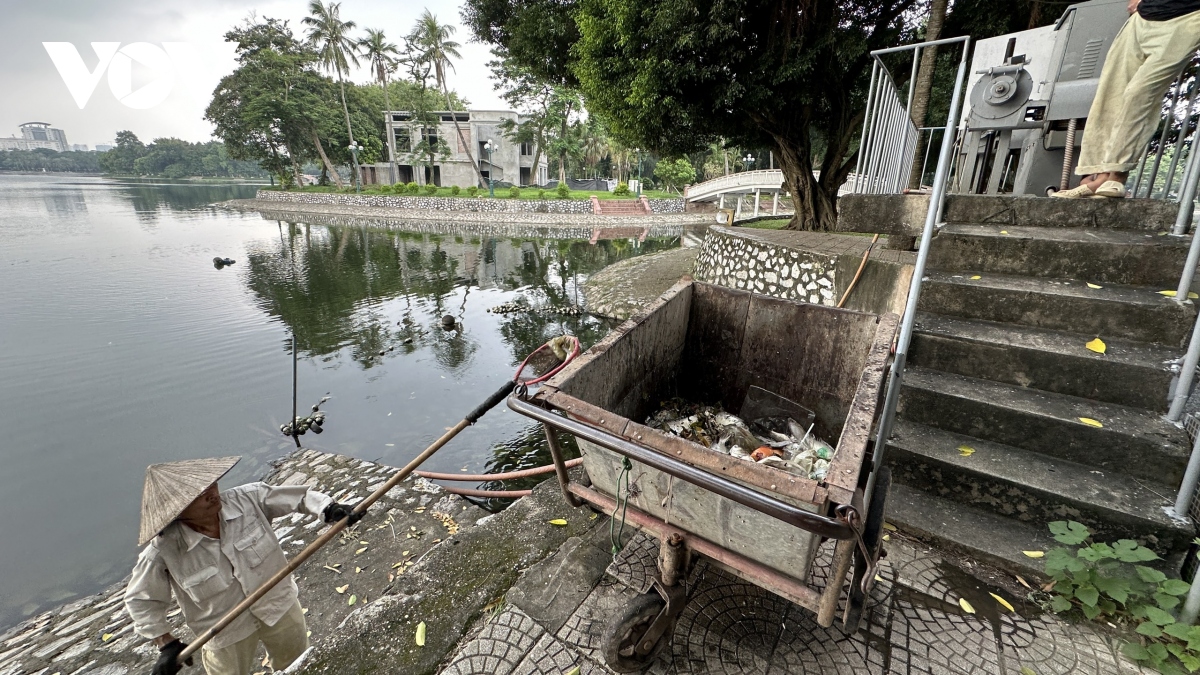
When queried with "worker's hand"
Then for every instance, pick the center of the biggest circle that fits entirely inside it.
(168, 658)
(335, 512)
(1133, 5)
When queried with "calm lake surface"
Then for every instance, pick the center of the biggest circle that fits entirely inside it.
(121, 345)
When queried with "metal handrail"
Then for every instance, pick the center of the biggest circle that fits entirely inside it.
(932, 214)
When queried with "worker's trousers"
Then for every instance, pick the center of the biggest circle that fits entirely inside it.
(285, 641)
(1146, 56)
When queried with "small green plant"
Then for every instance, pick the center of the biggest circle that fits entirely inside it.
(541, 193)
(1106, 581)
(412, 188)
(514, 192)
(622, 190)
(454, 190)
(431, 189)
(564, 191)
(473, 190)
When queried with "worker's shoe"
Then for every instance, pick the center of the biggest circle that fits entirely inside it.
(1080, 192)
(1111, 189)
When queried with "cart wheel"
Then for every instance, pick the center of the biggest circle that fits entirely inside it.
(873, 536)
(625, 633)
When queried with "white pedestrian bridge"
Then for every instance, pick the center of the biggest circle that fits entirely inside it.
(735, 186)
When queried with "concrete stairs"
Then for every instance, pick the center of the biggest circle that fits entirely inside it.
(622, 207)
(989, 443)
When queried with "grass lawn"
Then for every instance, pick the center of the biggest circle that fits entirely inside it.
(772, 224)
(501, 193)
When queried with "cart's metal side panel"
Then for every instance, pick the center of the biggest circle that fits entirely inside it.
(630, 369)
(714, 345)
(776, 544)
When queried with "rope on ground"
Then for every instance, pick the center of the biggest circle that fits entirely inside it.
(487, 494)
(510, 475)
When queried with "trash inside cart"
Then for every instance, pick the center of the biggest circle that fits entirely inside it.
(823, 369)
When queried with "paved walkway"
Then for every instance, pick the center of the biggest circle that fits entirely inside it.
(915, 625)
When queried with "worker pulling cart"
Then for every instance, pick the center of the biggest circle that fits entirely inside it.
(741, 351)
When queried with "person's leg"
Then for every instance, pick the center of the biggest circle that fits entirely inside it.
(1121, 64)
(234, 659)
(287, 639)
(1168, 45)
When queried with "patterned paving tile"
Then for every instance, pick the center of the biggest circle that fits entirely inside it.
(500, 646)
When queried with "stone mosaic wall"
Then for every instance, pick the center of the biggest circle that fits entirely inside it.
(579, 206)
(740, 261)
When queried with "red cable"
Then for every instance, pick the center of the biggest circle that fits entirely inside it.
(538, 380)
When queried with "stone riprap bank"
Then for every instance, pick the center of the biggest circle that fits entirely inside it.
(814, 267)
(472, 204)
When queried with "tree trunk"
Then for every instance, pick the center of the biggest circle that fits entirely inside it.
(463, 140)
(349, 131)
(391, 134)
(325, 158)
(924, 84)
(537, 157)
(815, 203)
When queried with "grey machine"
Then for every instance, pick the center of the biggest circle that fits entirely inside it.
(1029, 97)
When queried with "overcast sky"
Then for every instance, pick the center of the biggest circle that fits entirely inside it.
(31, 88)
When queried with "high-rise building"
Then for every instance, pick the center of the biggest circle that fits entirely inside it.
(103, 147)
(79, 147)
(37, 135)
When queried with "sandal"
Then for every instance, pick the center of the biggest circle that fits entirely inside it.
(1080, 192)
(1111, 189)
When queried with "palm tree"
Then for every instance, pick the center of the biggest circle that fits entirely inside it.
(383, 57)
(437, 50)
(336, 50)
(595, 146)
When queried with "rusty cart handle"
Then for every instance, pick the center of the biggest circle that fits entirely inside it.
(833, 528)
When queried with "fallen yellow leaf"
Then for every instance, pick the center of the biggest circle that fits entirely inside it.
(889, 526)
(1023, 582)
(357, 570)
(573, 671)
(966, 450)
(1026, 670)
(558, 521)
(878, 578)
(404, 553)
(1091, 422)
(353, 599)
(342, 589)
(1034, 554)
(360, 550)
(304, 610)
(1171, 294)
(1003, 602)
(1094, 286)
(1003, 231)
(106, 637)
(887, 537)
(976, 278)
(1097, 346)
(398, 564)
(364, 543)
(966, 606)
(421, 634)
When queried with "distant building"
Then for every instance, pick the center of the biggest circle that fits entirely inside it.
(79, 147)
(103, 147)
(510, 162)
(37, 135)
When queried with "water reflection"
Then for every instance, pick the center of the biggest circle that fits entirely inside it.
(329, 283)
(149, 198)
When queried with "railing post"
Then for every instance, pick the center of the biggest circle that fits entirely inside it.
(895, 378)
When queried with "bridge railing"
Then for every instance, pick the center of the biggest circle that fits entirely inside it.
(762, 178)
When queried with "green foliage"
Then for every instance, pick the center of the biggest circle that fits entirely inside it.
(454, 190)
(172, 158)
(40, 159)
(431, 189)
(564, 191)
(413, 188)
(1105, 582)
(514, 192)
(674, 174)
(541, 193)
(473, 191)
(622, 190)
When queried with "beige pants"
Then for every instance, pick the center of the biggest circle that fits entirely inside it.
(1146, 56)
(285, 641)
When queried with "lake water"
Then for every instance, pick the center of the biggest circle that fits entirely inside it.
(121, 345)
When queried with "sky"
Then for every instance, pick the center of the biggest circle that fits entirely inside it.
(32, 89)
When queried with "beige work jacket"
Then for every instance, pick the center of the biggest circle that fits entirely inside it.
(208, 577)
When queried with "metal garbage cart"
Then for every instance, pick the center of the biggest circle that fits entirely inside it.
(715, 344)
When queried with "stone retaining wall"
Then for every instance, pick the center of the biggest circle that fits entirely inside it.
(478, 204)
(814, 267)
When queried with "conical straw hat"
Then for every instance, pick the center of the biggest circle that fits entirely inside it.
(171, 486)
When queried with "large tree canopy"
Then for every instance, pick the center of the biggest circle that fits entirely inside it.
(676, 75)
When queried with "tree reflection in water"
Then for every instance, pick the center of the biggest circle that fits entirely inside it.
(330, 283)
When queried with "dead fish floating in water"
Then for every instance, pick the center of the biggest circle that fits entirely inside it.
(780, 442)
(518, 307)
(220, 262)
